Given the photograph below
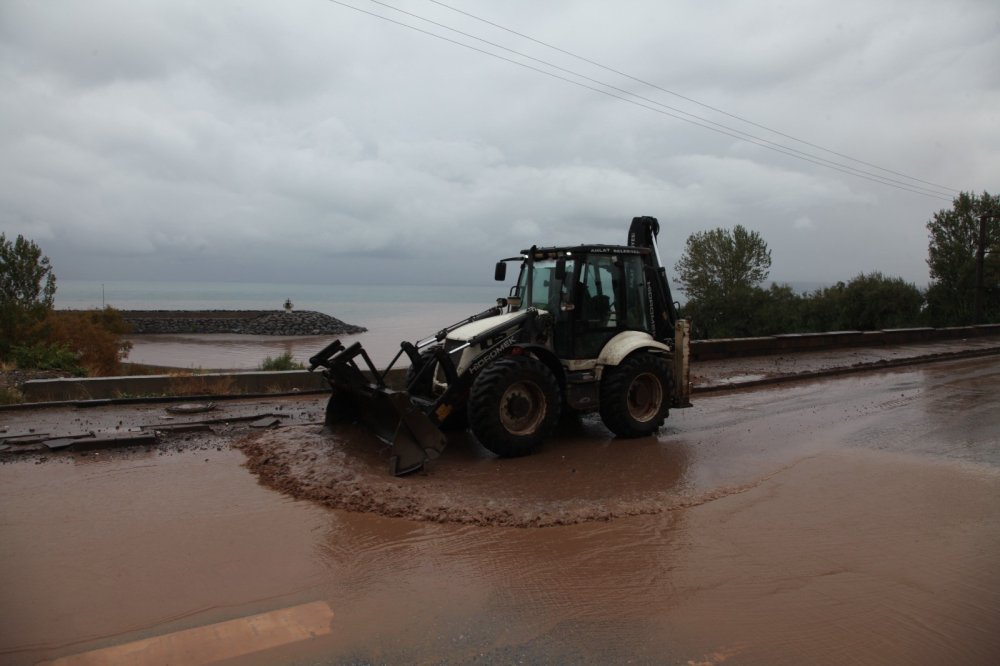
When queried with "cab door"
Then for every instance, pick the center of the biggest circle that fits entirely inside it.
(609, 297)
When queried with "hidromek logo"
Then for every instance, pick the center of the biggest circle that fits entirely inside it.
(492, 355)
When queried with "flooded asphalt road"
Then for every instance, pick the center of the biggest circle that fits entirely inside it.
(852, 520)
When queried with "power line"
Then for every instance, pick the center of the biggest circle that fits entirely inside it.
(742, 135)
(689, 99)
(852, 171)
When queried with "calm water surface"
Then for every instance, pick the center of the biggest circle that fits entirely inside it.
(391, 313)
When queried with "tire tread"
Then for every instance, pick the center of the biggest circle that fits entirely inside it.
(614, 388)
(484, 399)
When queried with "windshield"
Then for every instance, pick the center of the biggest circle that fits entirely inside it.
(544, 286)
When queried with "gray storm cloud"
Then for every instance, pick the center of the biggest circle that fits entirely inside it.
(307, 142)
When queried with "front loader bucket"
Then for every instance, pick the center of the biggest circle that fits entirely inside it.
(393, 418)
(390, 415)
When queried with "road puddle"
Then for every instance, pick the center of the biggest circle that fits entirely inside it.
(782, 527)
(102, 544)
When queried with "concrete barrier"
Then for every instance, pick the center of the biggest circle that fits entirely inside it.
(706, 350)
(140, 386)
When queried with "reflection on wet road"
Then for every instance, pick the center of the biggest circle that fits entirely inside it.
(853, 519)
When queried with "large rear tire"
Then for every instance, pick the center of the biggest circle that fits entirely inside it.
(514, 405)
(636, 394)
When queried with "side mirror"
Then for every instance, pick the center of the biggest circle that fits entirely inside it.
(561, 268)
(500, 273)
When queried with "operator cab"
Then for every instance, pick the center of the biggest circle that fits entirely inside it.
(592, 292)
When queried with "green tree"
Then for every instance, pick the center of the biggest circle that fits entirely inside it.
(27, 287)
(954, 239)
(873, 302)
(720, 271)
(720, 261)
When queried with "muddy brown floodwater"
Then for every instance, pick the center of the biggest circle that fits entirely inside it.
(849, 520)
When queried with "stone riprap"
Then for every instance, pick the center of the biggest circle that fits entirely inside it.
(247, 322)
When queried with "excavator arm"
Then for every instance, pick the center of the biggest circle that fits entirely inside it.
(668, 324)
(643, 233)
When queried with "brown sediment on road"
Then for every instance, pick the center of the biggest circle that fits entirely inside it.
(854, 521)
(847, 555)
(335, 470)
(345, 468)
(886, 557)
(584, 475)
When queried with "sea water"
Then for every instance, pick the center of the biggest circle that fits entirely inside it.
(391, 313)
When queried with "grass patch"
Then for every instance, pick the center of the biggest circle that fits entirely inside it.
(42, 356)
(283, 362)
(10, 396)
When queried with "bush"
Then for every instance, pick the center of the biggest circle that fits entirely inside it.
(745, 312)
(95, 336)
(283, 362)
(43, 356)
(10, 396)
(874, 301)
(866, 303)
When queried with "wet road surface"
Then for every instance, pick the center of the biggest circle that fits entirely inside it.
(846, 520)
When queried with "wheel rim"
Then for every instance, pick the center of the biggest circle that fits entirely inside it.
(645, 395)
(522, 408)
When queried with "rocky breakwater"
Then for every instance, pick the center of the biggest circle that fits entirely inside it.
(246, 322)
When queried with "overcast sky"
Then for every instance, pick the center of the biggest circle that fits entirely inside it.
(306, 142)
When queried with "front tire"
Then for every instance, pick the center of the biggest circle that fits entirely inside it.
(636, 394)
(514, 405)
(420, 377)
(420, 383)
